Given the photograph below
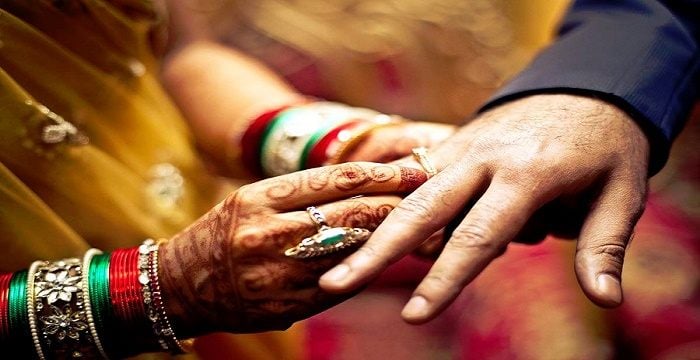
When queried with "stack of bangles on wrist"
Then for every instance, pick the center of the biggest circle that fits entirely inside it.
(103, 306)
(303, 136)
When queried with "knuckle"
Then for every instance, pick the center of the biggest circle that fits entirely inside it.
(527, 177)
(248, 237)
(438, 281)
(416, 209)
(244, 195)
(473, 237)
(614, 253)
(369, 251)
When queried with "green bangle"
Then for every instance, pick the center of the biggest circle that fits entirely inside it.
(313, 140)
(274, 140)
(18, 318)
(265, 137)
(102, 313)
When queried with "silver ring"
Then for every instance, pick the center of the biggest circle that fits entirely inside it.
(421, 155)
(317, 217)
(327, 239)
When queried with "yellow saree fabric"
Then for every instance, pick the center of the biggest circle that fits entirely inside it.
(92, 152)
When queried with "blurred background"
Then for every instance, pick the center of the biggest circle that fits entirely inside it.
(439, 61)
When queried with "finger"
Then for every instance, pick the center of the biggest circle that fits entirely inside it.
(481, 237)
(432, 247)
(601, 246)
(320, 185)
(286, 230)
(415, 218)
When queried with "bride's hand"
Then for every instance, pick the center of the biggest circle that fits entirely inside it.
(228, 271)
(395, 142)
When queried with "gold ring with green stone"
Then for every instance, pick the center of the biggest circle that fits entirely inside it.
(328, 239)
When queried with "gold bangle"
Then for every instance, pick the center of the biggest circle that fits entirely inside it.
(350, 144)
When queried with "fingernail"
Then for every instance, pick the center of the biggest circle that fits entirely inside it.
(337, 273)
(609, 286)
(416, 307)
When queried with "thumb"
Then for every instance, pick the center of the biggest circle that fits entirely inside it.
(604, 237)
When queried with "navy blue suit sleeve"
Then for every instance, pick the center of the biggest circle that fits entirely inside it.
(641, 55)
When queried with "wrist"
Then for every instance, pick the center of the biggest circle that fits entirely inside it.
(179, 304)
(304, 135)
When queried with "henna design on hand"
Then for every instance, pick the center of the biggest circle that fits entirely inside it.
(284, 188)
(349, 176)
(195, 266)
(320, 181)
(228, 272)
(411, 179)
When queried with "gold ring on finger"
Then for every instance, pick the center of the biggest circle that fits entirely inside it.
(421, 155)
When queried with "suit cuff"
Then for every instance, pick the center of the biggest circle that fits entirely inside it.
(650, 72)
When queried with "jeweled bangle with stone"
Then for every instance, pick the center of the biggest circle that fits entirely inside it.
(61, 316)
(63, 309)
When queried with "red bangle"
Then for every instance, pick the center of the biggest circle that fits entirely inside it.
(5, 305)
(127, 300)
(250, 141)
(321, 152)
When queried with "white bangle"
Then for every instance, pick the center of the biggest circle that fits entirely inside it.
(31, 311)
(293, 128)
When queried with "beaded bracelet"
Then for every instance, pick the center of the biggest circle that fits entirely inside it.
(148, 277)
(104, 304)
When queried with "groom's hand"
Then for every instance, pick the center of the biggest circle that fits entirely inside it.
(541, 164)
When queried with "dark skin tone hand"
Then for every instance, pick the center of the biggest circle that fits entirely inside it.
(228, 271)
(543, 164)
